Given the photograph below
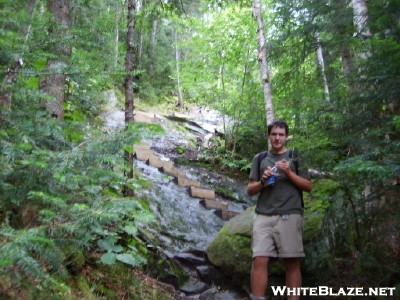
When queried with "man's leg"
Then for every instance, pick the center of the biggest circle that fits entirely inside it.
(259, 276)
(293, 275)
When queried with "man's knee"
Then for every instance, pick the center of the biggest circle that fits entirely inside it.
(260, 262)
(292, 264)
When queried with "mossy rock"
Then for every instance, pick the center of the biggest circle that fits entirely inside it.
(231, 248)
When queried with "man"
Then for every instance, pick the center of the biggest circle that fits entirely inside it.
(278, 220)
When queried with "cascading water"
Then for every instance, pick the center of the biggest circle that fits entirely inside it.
(183, 221)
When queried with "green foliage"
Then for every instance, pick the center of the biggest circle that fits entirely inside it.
(59, 194)
(216, 155)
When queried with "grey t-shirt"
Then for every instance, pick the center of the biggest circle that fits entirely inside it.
(283, 197)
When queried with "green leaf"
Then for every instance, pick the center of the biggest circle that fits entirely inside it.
(129, 259)
(131, 230)
(108, 258)
(109, 245)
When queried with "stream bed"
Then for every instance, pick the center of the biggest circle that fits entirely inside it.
(184, 225)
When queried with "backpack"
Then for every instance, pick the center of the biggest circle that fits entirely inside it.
(293, 156)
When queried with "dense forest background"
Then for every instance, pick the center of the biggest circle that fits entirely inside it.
(65, 187)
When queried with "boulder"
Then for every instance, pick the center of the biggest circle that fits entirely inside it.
(231, 251)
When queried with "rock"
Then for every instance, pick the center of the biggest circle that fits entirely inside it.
(226, 215)
(210, 274)
(193, 286)
(230, 251)
(191, 258)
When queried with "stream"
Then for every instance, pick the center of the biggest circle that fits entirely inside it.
(185, 227)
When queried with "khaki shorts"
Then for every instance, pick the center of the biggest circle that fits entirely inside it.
(276, 236)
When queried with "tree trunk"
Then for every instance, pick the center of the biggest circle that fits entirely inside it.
(129, 81)
(178, 78)
(152, 45)
(129, 62)
(360, 20)
(53, 83)
(262, 57)
(116, 35)
(321, 63)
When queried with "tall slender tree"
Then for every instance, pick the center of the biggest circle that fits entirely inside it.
(178, 72)
(263, 59)
(53, 83)
(129, 82)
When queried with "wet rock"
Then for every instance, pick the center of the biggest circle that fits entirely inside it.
(210, 274)
(193, 286)
(190, 258)
(213, 294)
(226, 214)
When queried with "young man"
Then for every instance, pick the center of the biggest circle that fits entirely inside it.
(278, 220)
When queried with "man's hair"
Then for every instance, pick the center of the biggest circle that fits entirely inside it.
(279, 124)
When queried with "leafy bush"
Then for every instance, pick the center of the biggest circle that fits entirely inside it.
(61, 194)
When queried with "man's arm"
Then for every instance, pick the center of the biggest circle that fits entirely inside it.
(300, 182)
(254, 187)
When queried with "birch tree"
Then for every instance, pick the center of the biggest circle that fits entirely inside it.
(321, 63)
(263, 59)
(360, 20)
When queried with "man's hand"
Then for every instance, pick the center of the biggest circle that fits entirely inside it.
(284, 166)
(267, 173)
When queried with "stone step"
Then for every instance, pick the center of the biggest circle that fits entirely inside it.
(226, 215)
(213, 204)
(172, 171)
(143, 117)
(157, 162)
(203, 193)
(141, 146)
(182, 181)
(143, 154)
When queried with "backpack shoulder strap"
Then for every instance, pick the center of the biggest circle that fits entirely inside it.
(293, 156)
(261, 157)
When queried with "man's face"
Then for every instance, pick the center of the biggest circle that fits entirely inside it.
(277, 137)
